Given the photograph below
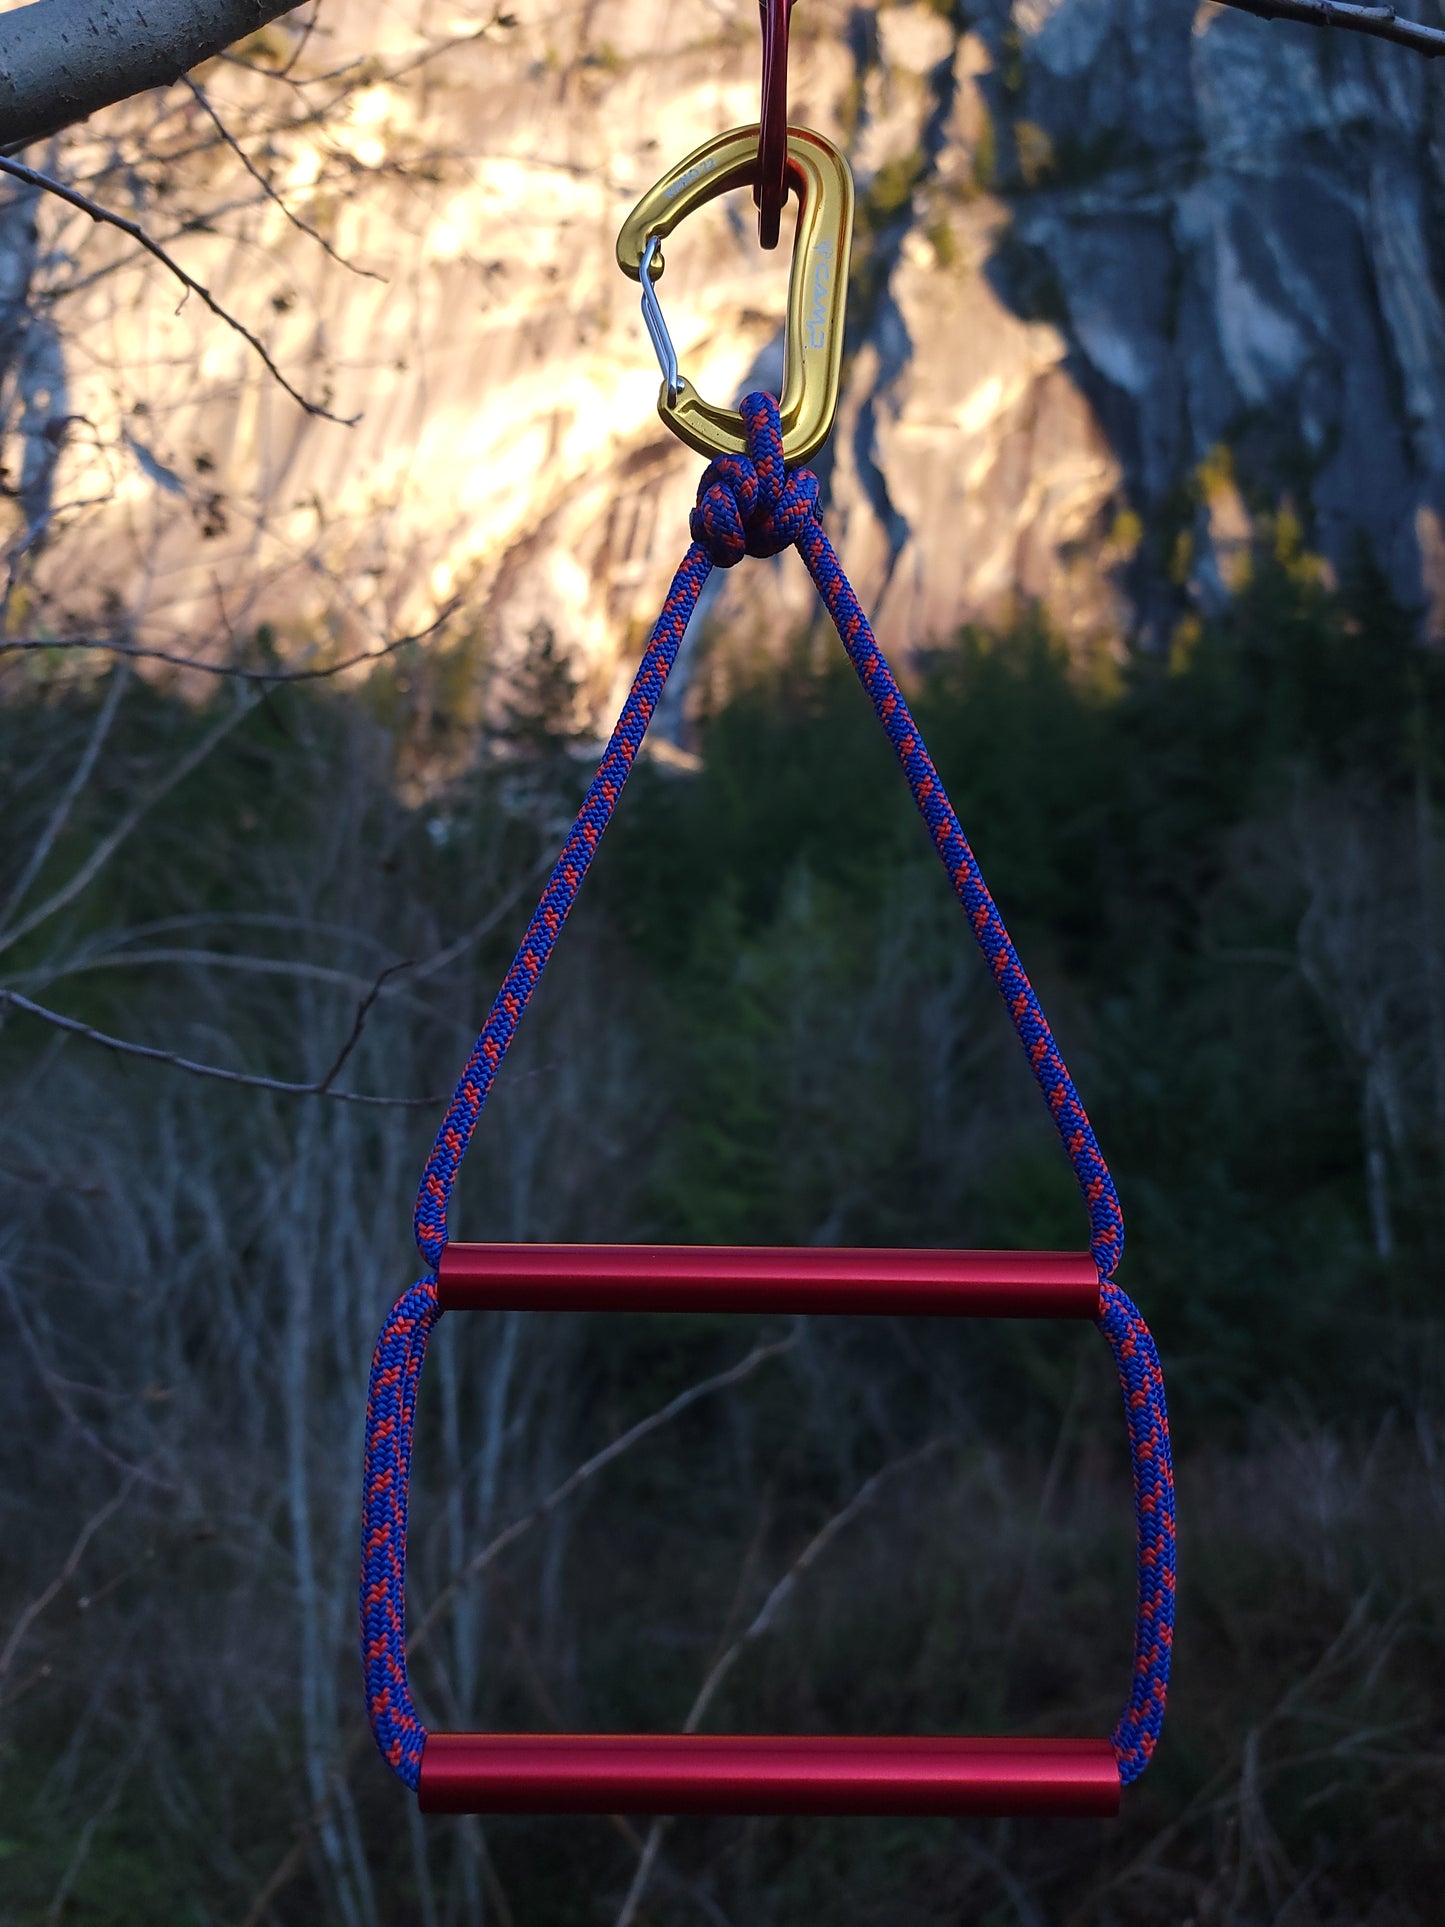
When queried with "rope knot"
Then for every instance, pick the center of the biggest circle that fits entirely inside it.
(750, 504)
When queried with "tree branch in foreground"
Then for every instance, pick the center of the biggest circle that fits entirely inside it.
(138, 652)
(63, 60)
(294, 1859)
(1381, 22)
(67, 1572)
(203, 101)
(762, 1623)
(418, 1634)
(109, 218)
(249, 1079)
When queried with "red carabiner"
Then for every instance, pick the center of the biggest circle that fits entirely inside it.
(770, 190)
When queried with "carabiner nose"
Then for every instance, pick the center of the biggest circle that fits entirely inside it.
(817, 287)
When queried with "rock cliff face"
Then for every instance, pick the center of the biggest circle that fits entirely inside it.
(1129, 275)
(1238, 228)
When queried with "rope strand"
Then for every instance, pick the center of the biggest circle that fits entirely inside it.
(753, 505)
(521, 980)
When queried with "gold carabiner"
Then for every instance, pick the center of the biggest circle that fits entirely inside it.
(817, 288)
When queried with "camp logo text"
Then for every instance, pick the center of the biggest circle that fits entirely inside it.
(822, 286)
(708, 166)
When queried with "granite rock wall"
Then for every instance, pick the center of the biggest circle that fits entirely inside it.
(1130, 276)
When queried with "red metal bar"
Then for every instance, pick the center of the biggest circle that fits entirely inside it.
(770, 189)
(708, 1773)
(767, 1278)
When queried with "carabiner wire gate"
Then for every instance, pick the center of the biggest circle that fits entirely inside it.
(656, 322)
(817, 288)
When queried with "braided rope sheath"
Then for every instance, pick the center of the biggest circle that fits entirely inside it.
(1142, 1383)
(751, 505)
(557, 899)
(390, 1418)
(1106, 1220)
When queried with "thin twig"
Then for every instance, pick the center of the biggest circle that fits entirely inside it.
(268, 190)
(294, 1858)
(137, 652)
(109, 218)
(354, 73)
(575, 1480)
(49, 1180)
(249, 1080)
(303, 42)
(1216, 1793)
(57, 1394)
(762, 1622)
(293, 969)
(67, 1572)
(107, 942)
(767, 1614)
(285, 1870)
(111, 954)
(59, 1906)
(485, 925)
(108, 845)
(1053, 1477)
(642, 1874)
(115, 957)
(60, 815)
(363, 1011)
(1383, 23)
(192, 959)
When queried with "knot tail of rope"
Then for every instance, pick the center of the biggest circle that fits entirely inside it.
(753, 505)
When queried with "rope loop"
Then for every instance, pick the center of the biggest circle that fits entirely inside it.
(750, 504)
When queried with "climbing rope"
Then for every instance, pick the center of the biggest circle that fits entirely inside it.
(753, 505)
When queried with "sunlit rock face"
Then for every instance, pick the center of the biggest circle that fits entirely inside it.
(1128, 276)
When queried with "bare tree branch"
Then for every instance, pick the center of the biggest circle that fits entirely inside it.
(55, 1390)
(303, 41)
(302, 227)
(299, 969)
(114, 956)
(137, 652)
(63, 60)
(762, 1622)
(67, 1572)
(294, 1859)
(358, 1024)
(250, 1080)
(135, 1752)
(576, 1479)
(484, 925)
(109, 218)
(60, 815)
(1381, 22)
(107, 847)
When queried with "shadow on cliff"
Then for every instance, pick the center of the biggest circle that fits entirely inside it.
(1235, 227)
(1236, 230)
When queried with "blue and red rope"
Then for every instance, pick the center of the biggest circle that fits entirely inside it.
(752, 505)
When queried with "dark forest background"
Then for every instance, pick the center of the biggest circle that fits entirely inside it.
(767, 1023)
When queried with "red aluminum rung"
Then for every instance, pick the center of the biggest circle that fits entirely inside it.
(716, 1773)
(767, 1278)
